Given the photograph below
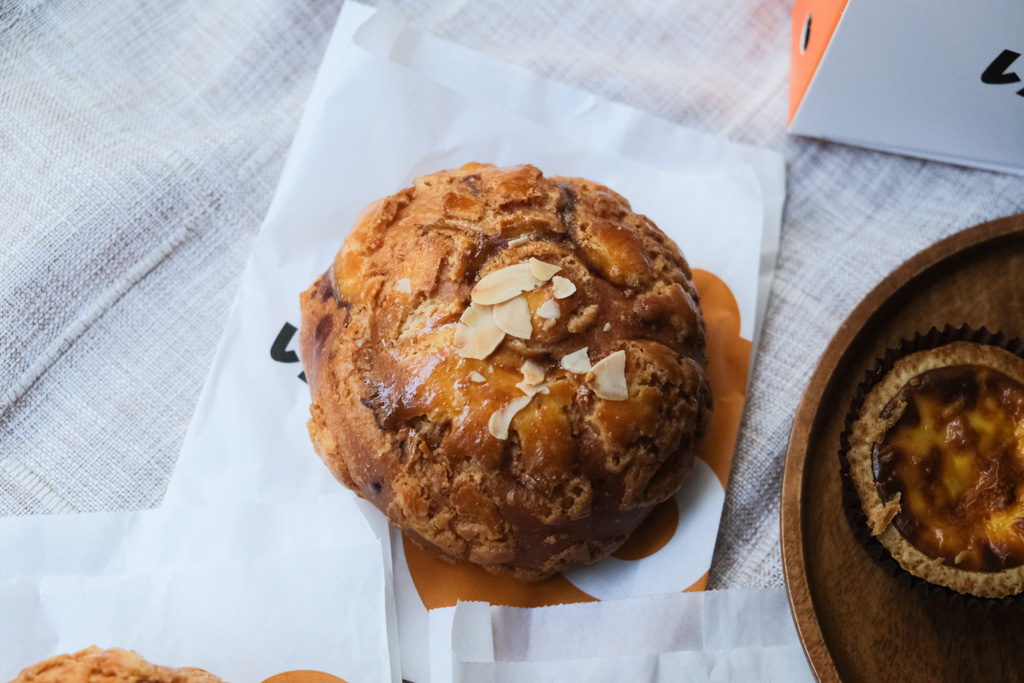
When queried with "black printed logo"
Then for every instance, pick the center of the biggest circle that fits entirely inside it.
(998, 72)
(279, 349)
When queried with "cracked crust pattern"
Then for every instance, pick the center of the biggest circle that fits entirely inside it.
(399, 417)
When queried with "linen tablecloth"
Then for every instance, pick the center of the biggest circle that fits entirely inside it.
(140, 143)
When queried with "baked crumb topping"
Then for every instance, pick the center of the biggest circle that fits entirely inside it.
(517, 280)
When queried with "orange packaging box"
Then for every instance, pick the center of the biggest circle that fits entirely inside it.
(937, 79)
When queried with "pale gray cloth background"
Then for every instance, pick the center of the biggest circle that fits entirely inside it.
(140, 143)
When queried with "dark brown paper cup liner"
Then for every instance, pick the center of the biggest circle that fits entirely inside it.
(851, 501)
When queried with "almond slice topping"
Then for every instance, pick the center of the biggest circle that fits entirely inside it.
(522, 239)
(501, 419)
(562, 287)
(607, 326)
(550, 310)
(513, 317)
(504, 284)
(533, 379)
(476, 335)
(610, 377)
(577, 362)
(404, 286)
(532, 390)
(477, 377)
(543, 271)
(533, 373)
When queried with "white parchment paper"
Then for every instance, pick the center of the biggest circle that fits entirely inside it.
(737, 635)
(244, 620)
(244, 591)
(388, 105)
(99, 543)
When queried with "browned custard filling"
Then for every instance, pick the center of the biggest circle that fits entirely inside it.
(956, 457)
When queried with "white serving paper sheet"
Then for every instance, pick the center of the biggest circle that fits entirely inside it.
(244, 591)
(242, 620)
(736, 635)
(388, 105)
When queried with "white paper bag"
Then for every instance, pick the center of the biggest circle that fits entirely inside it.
(243, 621)
(204, 586)
(737, 635)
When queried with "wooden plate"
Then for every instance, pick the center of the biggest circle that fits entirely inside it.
(856, 622)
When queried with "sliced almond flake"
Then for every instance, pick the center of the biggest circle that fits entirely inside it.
(607, 326)
(533, 373)
(359, 343)
(548, 324)
(473, 313)
(513, 317)
(562, 287)
(404, 286)
(477, 377)
(522, 239)
(550, 310)
(610, 377)
(543, 271)
(476, 335)
(500, 419)
(577, 361)
(533, 389)
(502, 285)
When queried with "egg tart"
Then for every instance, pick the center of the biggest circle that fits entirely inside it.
(936, 457)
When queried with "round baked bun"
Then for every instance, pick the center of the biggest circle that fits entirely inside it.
(93, 665)
(511, 367)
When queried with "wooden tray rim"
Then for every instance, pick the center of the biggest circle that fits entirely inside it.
(791, 519)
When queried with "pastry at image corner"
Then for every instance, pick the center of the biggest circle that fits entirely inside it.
(93, 665)
(510, 366)
(937, 458)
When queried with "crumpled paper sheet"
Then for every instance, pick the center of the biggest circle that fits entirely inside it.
(390, 105)
(736, 635)
(244, 591)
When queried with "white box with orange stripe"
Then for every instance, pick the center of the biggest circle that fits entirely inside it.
(937, 79)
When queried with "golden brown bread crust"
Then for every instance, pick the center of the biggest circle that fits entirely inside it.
(882, 409)
(402, 418)
(93, 665)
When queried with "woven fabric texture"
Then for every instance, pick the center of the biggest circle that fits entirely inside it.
(141, 142)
